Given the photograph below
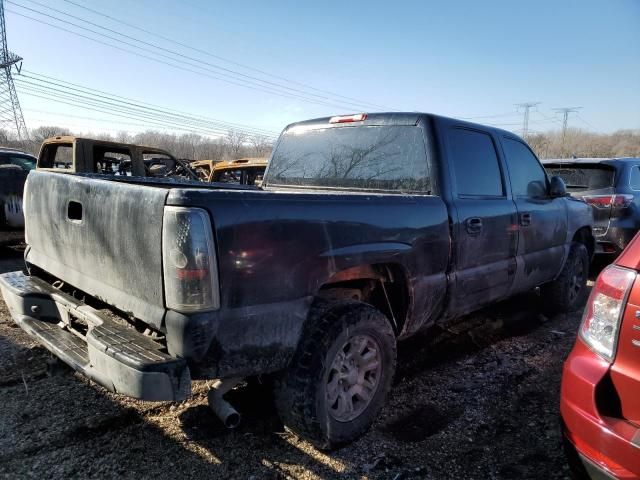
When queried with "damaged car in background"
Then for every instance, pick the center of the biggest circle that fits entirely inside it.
(71, 154)
(243, 171)
(612, 187)
(15, 165)
(367, 229)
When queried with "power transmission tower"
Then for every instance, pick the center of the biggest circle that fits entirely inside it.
(565, 112)
(10, 111)
(525, 123)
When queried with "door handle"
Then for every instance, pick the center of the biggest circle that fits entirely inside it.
(474, 225)
(525, 219)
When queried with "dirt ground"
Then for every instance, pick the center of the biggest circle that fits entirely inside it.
(478, 400)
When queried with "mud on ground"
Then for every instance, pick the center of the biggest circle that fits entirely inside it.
(479, 402)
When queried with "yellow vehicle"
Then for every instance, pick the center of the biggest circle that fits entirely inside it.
(243, 171)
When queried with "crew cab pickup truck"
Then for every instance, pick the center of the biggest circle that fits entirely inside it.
(367, 229)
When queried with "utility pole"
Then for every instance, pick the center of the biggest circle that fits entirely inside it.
(565, 112)
(525, 124)
(10, 111)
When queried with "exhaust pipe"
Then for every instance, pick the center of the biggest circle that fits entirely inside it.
(228, 415)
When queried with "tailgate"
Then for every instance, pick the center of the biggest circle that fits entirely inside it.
(100, 236)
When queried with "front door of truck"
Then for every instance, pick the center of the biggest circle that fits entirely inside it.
(542, 219)
(485, 237)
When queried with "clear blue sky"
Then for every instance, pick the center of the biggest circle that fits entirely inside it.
(463, 58)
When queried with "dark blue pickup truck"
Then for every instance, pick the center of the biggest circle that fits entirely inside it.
(366, 229)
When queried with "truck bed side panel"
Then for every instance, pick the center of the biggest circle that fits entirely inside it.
(280, 246)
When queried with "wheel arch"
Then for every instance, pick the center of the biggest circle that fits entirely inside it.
(584, 235)
(385, 286)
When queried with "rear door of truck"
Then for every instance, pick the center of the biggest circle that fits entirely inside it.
(485, 237)
(100, 236)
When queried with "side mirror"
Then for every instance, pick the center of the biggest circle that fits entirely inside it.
(557, 187)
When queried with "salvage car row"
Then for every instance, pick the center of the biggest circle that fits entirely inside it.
(364, 230)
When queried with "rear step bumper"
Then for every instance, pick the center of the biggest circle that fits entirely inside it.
(112, 354)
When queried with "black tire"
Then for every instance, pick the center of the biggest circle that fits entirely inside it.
(568, 292)
(334, 334)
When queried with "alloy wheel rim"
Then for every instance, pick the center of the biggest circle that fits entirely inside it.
(576, 279)
(353, 378)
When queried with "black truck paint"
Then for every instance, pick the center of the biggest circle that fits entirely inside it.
(440, 252)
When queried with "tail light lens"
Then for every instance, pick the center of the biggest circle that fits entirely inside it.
(190, 269)
(601, 320)
(606, 201)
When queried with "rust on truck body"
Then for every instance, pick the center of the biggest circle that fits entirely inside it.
(71, 154)
(244, 171)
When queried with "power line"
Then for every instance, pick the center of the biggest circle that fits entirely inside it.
(582, 119)
(222, 73)
(124, 101)
(508, 114)
(232, 62)
(246, 84)
(150, 123)
(114, 108)
(92, 91)
(87, 103)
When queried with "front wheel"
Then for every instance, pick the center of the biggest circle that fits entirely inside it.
(340, 376)
(567, 292)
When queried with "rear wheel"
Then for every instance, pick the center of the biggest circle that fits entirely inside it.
(339, 378)
(567, 292)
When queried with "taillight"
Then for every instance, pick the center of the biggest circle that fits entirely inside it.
(358, 117)
(188, 255)
(606, 201)
(601, 320)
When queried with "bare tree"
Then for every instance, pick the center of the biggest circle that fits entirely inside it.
(261, 145)
(235, 141)
(343, 159)
(47, 131)
(123, 137)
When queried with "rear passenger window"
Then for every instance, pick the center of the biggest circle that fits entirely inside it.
(527, 175)
(635, 178)
(475, 163)
(113, 163)
(56, 155)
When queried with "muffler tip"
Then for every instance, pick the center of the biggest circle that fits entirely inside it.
(228, 415)
(232, 420)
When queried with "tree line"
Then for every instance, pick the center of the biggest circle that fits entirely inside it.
(236, 144)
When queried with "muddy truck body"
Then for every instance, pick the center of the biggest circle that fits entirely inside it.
(366, 230)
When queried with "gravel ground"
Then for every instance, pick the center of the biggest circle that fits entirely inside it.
(477, 400)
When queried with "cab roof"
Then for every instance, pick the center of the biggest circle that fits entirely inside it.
(391, 118)
(72, 138)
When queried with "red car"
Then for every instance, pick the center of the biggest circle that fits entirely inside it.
(600, 398)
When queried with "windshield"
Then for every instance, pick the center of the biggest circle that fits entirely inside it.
(390, 158)
(584, 177)
(25, 162)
